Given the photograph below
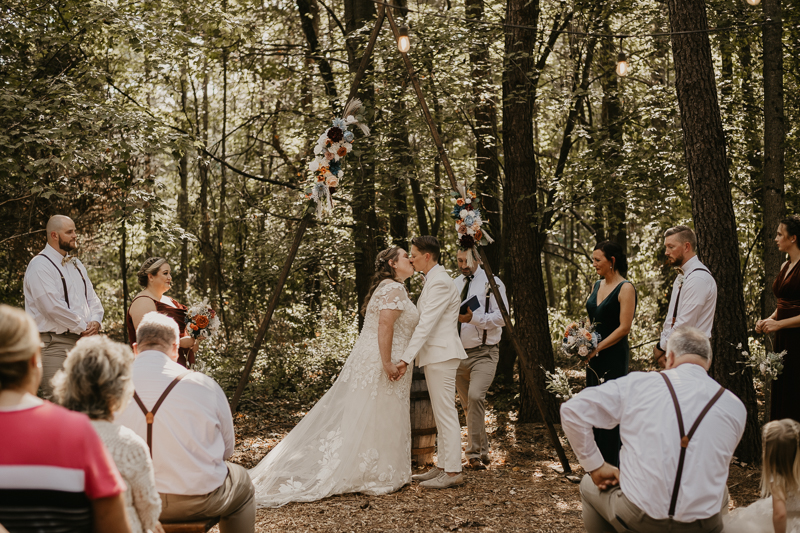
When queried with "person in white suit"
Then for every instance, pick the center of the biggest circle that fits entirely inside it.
(437, 347)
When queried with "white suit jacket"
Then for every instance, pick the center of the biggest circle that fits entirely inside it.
(436, 337)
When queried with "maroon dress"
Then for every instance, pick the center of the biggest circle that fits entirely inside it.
(785, 392)
(178, 314)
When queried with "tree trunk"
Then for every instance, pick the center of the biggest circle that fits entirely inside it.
(309, 22)
(183, 201)
(774, 139)
(123, 273)
(524, 240)
(712, 205)
(365, 227)
(611, 143)
(487, 167)
(207, 278)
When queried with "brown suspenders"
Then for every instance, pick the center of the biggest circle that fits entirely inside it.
(685, 437)
(64, 281)
(150, 415)
(678, 298)
(486, 307)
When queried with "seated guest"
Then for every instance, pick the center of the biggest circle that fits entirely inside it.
(191, 433)
(666, 481)
(55, 473)
(155, 278)
(96, 380)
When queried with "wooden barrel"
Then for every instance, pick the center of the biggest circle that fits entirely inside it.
(423, 426)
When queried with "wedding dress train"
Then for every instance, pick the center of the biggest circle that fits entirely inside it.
(357, 438)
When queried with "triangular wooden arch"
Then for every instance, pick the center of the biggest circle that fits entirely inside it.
(306, 220)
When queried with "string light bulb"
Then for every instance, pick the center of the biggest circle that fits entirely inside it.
(753, 2)
(403, 42)
(622, 65)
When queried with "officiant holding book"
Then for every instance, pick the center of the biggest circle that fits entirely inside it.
(480, 326)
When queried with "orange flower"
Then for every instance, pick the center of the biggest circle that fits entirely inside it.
(472, 194)
(460, 201)
(478, 235)
(195, 327)
(201, 321)
(342, 151)
(588, 336)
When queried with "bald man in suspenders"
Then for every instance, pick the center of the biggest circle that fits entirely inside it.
(60, 297)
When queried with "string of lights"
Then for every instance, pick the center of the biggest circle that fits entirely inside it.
(623, 68)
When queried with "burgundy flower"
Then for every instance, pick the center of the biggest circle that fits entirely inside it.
(467, 241)
(335, 134)
(468, 207)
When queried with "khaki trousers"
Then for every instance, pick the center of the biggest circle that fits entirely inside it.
(54, 353)
(611, 511)
(474, 377)
(441, 379)
(234, 502)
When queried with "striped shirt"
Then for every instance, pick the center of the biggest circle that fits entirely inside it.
(52, 465)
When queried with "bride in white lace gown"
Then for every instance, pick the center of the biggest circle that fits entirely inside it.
(357, 438)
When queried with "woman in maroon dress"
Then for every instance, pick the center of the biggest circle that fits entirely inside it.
(785, 323)
(155, 277)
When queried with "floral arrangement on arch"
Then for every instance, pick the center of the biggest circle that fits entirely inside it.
(469, 223)
(332, 147)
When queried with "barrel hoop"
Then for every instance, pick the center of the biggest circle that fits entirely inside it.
(423, 451)
(420, 395)
(423, 431)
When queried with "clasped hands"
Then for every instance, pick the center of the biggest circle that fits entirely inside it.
(395, 372)
(768, 325)
(92, 328)
(605, 477)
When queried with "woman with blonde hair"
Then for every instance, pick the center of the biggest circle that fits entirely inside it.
(779, 508)
(96, 380)
(55, 472)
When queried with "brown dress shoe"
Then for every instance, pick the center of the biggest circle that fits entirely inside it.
(475, 464)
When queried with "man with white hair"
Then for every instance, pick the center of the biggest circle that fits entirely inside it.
(60, 297)
(185, 419)
(679, 429)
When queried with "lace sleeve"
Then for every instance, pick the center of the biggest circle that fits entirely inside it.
(392, 296)
(143, 487)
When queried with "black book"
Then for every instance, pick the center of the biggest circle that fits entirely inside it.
(472, 303)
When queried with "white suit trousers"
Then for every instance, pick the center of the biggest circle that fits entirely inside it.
(441, 380)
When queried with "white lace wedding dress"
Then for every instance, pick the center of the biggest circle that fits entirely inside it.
(357, 438)
(757, 517)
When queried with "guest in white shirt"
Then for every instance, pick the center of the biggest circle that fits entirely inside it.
(191, 435)
(694, 292)
(480, 332)
(60, 297)
(643, 494)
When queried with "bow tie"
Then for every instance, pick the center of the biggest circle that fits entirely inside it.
(68, 259)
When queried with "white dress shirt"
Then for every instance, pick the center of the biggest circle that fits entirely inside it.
(491, 322)
(640, 403)
(192, 430)
(44, 295)
(698, 301)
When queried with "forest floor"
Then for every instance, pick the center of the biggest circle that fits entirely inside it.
(522, 489)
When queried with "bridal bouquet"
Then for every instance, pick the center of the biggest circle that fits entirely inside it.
(201, 321)
(580, 338)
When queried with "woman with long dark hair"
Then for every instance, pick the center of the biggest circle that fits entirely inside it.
(785, 323)
(611, 308)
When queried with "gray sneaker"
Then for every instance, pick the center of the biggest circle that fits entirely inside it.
(442, 481)
(430, 474)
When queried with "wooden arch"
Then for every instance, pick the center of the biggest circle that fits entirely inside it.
(307, 218)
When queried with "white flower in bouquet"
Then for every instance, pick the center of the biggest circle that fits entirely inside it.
(583, 351)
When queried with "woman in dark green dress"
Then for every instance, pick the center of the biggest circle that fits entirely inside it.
(611, 308)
